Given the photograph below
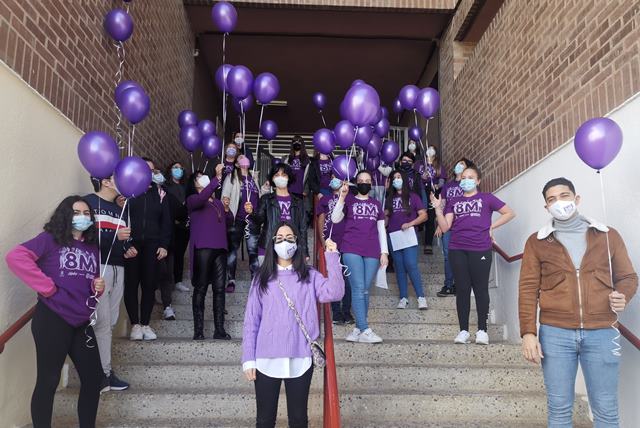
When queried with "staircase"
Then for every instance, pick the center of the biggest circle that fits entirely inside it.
(416, 378)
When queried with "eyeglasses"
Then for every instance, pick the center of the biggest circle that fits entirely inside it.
(289, 238)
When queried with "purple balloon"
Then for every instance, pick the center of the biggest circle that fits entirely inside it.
(118, 24)
(390, 152)
(428, 102)
(382, 128)
(190, 137)
(385, 112)
(397, 106)
(266, 87)
(212, 146)
(98, 153)
(224, 16)
(344, 133)
(407, 96)
(372, 163)
(361, 104)
(187, 117)
(344, 167)
(221, 76)
(363, 136)
(373, 146)
(416, 133)
(132, 176)
(598, 141)
(319, 100)
(244, 105)
(269, 129)
(134, 104)
(324, 141)
(377, 118)
(207, 128)
(357, 82)
(123, 86)
(240, 81)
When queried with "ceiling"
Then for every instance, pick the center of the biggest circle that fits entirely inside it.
(324, 50)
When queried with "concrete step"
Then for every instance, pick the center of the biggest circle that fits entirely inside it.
(230, 402)
(423, 353)
(397, 378)
(386, 330)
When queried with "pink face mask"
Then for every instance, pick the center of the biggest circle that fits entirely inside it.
(243, 162)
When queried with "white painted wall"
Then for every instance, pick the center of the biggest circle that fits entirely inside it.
(39, 167)
(623, 210)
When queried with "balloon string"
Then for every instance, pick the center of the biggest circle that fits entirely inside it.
(205, 165)
(120, 52)
(322, 117)
(224, 87)
(192, 168)
(257, 141)
(352, 152)
(106, 261)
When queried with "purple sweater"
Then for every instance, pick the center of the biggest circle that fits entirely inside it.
(208, 219)
(270, 328)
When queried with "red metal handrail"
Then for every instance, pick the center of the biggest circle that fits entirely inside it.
(624, 331)
(331, 412)
(15, 327)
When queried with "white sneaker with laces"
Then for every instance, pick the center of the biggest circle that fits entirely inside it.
(462, 338)
(181, 287)
(169, 314)
(482, 338)
(422, 303)
(148, 333)
(403, 303)
(368, 336)
(136, 332)
(353, 336)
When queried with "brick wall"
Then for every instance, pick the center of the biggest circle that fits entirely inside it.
(59, 48)
(541, 69)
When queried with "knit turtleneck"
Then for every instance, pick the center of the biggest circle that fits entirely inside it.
(572, 233)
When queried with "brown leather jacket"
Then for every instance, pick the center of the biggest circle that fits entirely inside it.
(569, 297)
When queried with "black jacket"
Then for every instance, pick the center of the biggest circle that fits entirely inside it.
(267, 218)
(151, 218)
(177, 196)
(313, 176)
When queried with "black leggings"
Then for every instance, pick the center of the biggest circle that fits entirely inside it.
(268, 393)
(55, 339)
(430, 227)
(141, 270)
(209, 267)
(471, 271)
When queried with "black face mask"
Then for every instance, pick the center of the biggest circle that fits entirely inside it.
(364, 188)
(297, 146)
(406, 166)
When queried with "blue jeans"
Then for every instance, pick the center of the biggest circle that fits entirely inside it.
(405, 262)
(563, 349)
(362, 273)
(448, 273)
(235, 234)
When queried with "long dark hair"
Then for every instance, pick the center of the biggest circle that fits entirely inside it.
(60, 224)
(304, 156)
(169, 175)
(392, 193)
(269, 268)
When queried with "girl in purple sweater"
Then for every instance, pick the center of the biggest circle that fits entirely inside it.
(62, 265)
(273, 345)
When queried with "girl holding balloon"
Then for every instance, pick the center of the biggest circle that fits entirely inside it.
(433, 176)
(319, 175)
(176, 190)
(299, 161)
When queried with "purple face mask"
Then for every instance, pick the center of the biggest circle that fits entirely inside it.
(243, 163)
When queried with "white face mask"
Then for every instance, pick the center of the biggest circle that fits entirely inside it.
(238, 141)
(563, 210)
(431, 152)
(412, 147)
(203, 181)
(281, 182)
(285, 250)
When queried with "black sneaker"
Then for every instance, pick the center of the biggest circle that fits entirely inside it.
(104, 384)
(116, 384)
(338, 319)
(446, 292)
(348, 319)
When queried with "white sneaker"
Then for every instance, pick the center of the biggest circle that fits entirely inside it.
(368, 336)
(148, 333)
(136, 332)
(181, 287)
(169, 314)
(403, 303)
(482, 338)
(462, 338)
(422, 303)
(353, 336)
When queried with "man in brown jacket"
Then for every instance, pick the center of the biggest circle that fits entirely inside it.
(578, 273)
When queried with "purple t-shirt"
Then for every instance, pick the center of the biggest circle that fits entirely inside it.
(72, 269)
(451, 189)
(298, 172)
(399, 216)
(361, 229)
(325, 206)
(472, 221)
(285, 207)
(253, 196)
(326, 168)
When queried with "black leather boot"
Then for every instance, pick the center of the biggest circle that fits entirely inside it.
(199, 293)
(220, 274)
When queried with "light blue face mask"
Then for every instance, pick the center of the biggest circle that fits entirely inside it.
(458, 169)
(335, 183)
(397, 183)
(158, 178)
(81, 222)
(468, 184)
(177, 173)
